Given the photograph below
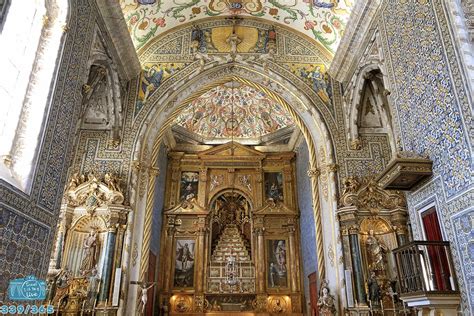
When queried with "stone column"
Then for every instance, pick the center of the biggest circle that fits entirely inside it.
(357, 265)
(260, 260)
(199, 254)
(64, 225)
(292, 254)
(109, 255)
(168, 279)
(202, 186)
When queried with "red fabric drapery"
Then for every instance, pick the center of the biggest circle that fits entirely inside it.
(437, 255)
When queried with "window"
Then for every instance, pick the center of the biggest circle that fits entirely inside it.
(30, 41)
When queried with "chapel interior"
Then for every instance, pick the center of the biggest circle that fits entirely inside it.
(237, 157)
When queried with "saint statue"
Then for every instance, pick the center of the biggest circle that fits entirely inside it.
(233, 40)
(376, 252)
(91, 253)
(326, 301)
(92, 289)
(374, 289)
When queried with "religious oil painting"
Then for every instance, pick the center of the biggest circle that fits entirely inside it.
(274, 186)
(189, 185)
(277, 270)
(184, 263)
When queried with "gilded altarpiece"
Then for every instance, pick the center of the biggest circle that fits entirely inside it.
(373, 222)
(89, 244)
(230, 243)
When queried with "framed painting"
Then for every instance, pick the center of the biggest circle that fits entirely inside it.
(189, 185)
(184, 263)
(277, 268)
(274, 186)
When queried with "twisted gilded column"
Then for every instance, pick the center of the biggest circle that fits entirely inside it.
(314, 173)
(153, 172)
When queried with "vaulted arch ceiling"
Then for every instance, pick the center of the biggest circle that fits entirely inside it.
(234, 111)
(322, 20)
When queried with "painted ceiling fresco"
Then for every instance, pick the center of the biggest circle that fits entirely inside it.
(323, 20)
(233, 110)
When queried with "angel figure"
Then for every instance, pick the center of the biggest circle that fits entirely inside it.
(112, 182)
(233, 40)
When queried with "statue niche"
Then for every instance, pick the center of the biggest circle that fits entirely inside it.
(231, 267)
(91, 216)
(376, 219)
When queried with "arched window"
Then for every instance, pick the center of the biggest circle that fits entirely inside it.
(31, 36)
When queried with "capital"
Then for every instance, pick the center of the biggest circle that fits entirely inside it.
(154, 171)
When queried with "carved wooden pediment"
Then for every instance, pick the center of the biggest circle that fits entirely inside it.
(231, 151)
(189, 207)
(91, 192)
(369, 196)
(274, 208)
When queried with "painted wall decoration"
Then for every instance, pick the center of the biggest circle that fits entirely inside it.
(274, 186)
(254, 114)
(315, 75)
(151, 78)
(277, 272)
(323, 20)
(189, 186)
(251, 39)
(184, 263)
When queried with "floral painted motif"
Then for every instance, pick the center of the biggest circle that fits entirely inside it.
(323, 20)
(241, 112)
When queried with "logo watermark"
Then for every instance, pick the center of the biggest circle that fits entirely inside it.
(27, 289)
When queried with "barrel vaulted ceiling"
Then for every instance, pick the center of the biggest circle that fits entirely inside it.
(322, 20)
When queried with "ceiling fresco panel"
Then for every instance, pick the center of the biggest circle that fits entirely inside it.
(322, 20)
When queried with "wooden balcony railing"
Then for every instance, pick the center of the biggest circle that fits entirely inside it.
(425, 267)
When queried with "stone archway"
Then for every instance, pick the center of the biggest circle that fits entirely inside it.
(306, 117)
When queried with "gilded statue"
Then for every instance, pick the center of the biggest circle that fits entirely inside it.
(74, 182)
(112, 182)
(277, 308)
(91, 251)
(62, 286)
(326, 301)
(376, 252)
(350, 185)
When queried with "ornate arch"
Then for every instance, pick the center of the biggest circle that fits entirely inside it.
(355, 101)
(168, 104)
(218, 193)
